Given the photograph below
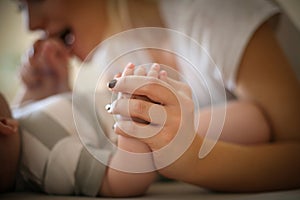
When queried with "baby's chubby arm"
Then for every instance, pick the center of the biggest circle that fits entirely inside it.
(125, 182)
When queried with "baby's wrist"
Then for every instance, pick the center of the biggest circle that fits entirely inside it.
(132, 145)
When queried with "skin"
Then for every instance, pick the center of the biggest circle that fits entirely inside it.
(135, 184)
(53, 16)
(45, 72)
(9, 145)
(121, 184)
(271, 165)
(265, 83)
(115, 184)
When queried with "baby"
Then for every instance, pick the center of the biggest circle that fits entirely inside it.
(41, 152)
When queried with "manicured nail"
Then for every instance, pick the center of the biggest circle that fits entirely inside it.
(112, 83)
(118, 75)
(108, 107)
(130, 65)
(155, 65)
(113, 127)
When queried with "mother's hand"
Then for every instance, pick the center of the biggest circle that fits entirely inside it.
(44, 71)
(170, 112)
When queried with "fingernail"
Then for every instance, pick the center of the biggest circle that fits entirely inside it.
(118, 75)
(113, 127)
(155, 65)
(108, 107)
(130, 65)
(112, 83)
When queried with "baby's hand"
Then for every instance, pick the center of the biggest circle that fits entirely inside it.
(131, 70)
(8, 126)
(154, 71)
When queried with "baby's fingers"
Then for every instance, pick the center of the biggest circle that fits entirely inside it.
(154, 70)
(129, 70)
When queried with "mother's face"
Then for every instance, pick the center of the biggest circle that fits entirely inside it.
(79, 24)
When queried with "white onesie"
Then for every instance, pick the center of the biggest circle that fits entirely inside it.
(53, 160)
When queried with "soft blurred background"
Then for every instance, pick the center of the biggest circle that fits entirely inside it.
(15, 40)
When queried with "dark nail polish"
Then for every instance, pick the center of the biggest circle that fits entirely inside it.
(112, 83)
(108, 107)
(114, 126)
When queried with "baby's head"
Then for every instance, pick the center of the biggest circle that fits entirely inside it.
(9, 147)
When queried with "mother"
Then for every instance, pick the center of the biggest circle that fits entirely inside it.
(241, 41)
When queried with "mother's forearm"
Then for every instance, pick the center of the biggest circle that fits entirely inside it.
(244, 122)
(236, 168)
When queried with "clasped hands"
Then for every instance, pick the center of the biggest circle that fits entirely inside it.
(153, 108)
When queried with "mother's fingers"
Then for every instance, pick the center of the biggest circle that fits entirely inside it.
(179, 86)
(153, 88)
(29, 76)
(46, 57)
(136, 108)
(137, 130)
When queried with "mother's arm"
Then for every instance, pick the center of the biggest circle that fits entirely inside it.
(266, 79)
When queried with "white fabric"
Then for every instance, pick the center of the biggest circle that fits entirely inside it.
(64, 118)
(223, 28)
(51, 150)
(48, 167)
(35, 161)
(61, 166)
